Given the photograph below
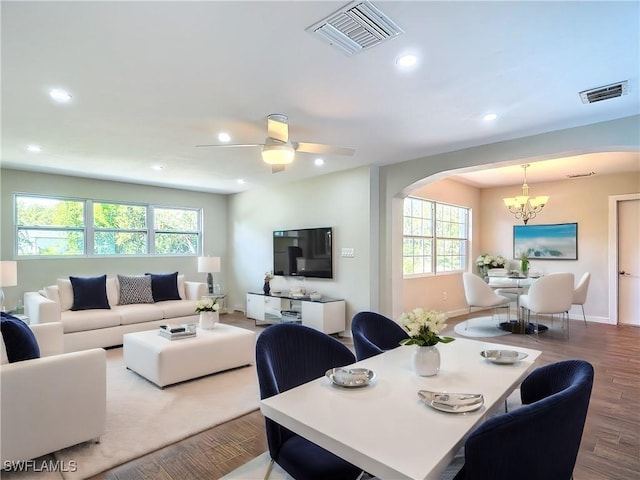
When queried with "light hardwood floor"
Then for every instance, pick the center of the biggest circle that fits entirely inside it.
(610, 448)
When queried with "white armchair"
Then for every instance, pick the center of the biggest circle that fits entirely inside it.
(52, 402)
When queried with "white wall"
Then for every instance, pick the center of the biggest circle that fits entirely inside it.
(340, 200)
(33, 274)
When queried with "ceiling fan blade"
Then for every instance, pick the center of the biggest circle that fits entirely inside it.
(323, 149)
(277, 127)
(277, 168)
(234, 145)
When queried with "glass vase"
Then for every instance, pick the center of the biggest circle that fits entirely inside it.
(208, 320)
(426, 361)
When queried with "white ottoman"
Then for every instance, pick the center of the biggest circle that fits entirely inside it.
(164, 361)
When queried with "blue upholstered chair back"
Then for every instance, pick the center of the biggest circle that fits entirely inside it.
(541, 439)
(288, 355)
(374, 333)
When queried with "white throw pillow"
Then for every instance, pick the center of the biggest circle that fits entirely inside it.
(181, 291)
(65, 291)
(113, 291)
(3, 352)
(52, 293)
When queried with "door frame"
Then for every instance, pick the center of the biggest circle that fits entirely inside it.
(613, 252)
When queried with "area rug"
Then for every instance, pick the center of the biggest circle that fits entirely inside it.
(481, 327)
(142, 418)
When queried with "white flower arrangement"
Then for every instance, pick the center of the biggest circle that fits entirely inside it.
(207, 304)
(487, 261)
(268, 276)
(423, 327)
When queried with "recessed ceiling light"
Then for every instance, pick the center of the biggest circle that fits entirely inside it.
(34, 148)
(224, 137)
(157, 168)
(60, 96)
(490, 117)
(241, 181)
(406, 60)
(319, 162)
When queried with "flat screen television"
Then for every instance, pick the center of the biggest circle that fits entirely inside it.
(305, 252)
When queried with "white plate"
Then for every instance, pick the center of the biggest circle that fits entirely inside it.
(445, 407)
(452, 402)
(350, 377)
(503, 356)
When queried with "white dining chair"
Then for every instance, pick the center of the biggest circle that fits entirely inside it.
(580, 293)
(549, 295)
(479, 294)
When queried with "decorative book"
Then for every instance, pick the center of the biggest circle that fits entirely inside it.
(176, 332)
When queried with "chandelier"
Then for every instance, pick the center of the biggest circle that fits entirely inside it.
(525, 207)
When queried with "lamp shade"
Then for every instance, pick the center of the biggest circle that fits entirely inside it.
(8, 273)
(208, 264)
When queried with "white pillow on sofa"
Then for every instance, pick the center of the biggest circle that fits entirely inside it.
(65, 291)
(51, 292)
(113, 291)
(181, 290)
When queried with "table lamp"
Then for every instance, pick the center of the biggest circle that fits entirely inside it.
(8, 278)
(208, 265)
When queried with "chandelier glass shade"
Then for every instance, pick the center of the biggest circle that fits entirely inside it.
(525, 207)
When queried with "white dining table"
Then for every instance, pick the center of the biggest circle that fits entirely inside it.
(384, 428)
(520, 284)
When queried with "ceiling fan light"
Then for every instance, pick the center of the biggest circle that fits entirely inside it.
(278, 153)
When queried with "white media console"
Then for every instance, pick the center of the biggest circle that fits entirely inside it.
(326, 314)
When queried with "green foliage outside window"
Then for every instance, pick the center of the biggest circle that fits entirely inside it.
(56, 227)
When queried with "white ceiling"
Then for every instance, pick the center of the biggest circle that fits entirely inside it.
(150, 80)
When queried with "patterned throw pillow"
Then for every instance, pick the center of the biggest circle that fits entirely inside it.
(135, 289)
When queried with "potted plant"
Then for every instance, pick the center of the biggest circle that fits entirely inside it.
(524, 264)
(423, 327)
(208, 309)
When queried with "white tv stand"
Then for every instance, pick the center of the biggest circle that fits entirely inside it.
(326, 315)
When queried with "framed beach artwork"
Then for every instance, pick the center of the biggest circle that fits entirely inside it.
(546, 242)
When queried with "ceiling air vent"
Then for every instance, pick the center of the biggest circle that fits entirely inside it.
(356, 27)
(604, 93)
(581, 175)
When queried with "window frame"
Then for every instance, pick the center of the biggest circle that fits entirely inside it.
(89, 229)
(435, 239)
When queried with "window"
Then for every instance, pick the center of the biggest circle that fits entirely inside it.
(48, 226)
(119, 229)
(176, 231)
(435, 237)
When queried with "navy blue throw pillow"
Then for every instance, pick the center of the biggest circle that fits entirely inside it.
(164, 286)
(89, 292)
(19, 340)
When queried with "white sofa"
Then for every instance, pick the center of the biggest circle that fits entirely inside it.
(52, 402)
(84, 329)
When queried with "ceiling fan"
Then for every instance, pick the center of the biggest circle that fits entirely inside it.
(278, 151)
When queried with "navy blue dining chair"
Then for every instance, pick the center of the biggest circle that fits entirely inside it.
(539, 440)
(288, 355)
(374, 333)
